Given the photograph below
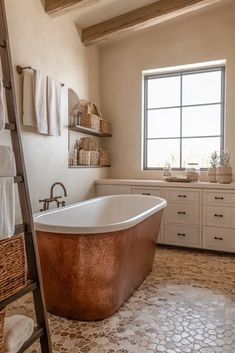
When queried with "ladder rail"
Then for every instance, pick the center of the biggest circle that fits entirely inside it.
(14, 126)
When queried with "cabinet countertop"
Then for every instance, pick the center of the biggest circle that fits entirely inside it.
(162, 183)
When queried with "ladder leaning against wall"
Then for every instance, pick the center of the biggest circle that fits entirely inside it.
(35, 284)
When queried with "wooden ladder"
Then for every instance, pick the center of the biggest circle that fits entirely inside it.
(35, 284)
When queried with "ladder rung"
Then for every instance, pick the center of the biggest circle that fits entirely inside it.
(20, 228)
(38, 332)
(31, 286)
(18, 179)
(10, 126)
(6, 84)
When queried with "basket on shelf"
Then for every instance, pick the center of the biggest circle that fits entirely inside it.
(94, 157)
(105, 158)
(105, 127)
(90, 121)
(2, 317)
(12, 266)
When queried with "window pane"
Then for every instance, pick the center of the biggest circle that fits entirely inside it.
(199, 150)
(201, 121)
(202, 88)
(164, 123)
(164, 92)
(162, 151)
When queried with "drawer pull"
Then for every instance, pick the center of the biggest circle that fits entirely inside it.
(181, 234)
(182, 196)
(217, 238)
(218, 198)
(146, 193)
(181, 212)
(218, 215)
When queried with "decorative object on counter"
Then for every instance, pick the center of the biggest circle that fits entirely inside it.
(211, 174)
(167, 171)
(105, 158)
(192, 171)
(179, 179)
(224, 170)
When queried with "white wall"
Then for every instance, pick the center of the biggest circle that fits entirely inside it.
(53, 46)
(201, 36)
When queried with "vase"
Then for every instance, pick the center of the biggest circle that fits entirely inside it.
(224, 175)
(211, 175)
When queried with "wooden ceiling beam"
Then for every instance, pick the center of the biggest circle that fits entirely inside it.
(140, 18)
(52, 6)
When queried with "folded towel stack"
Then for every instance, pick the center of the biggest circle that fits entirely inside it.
(2, 107)
(41, 103)
(7, 194)
(17, 330)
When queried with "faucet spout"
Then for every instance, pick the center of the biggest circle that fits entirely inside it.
(52, 189)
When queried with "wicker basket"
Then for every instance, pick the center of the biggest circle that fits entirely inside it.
(105, 158)
(2, 317)
(94, 158)
(12, 266)
(105, 127)
(91, 121)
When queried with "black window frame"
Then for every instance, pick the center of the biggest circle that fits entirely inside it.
(181, 73)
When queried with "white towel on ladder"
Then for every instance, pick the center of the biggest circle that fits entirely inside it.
(54, 106)
(2, 107)
(40, 102)
(7, 192)
(29, 118)
(17, 330)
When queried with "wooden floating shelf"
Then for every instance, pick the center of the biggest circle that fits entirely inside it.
(88, 131)
(89, 166)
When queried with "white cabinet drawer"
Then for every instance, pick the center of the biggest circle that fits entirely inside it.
(219, 216)
(219, 239)
(181, 235)
(184, 213)
(218, 198)
(182, 195)
(146, 191)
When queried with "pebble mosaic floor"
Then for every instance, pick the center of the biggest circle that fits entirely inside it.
(186, 305)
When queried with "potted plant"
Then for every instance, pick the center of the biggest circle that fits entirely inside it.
(224, 170)
(211, 174)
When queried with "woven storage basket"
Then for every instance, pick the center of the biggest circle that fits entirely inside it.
(2, 317)
(91, 121)
(105, 158)
(94, 158)
(105, 127)
(12, 266)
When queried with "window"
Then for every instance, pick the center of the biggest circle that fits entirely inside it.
(183, 117)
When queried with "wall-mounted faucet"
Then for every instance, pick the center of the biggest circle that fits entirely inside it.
(52, 198)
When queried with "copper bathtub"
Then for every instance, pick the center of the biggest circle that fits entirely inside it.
(96, 253)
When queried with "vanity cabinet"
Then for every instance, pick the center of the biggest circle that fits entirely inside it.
(198, 215)
(219, 220)
(182, 217)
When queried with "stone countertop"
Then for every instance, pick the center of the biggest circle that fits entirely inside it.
(162, 183)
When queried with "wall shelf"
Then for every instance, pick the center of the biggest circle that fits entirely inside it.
(88, 166)
(88, 131)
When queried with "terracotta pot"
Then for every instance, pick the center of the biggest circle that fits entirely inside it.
(224, 175)
(211, 175)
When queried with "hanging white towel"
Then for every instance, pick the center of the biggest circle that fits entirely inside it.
(7, 162)
(2, 107)
(40, 102)
(7, 193)
(54, 106)
(29, 118)
(7, 207)
(17, 330)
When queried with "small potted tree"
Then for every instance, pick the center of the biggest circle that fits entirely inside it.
(224, 170)
(211, 174)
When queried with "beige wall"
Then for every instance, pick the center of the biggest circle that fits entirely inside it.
(199, 37)
(52, 46)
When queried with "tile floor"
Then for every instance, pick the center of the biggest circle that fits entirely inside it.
(186, 305)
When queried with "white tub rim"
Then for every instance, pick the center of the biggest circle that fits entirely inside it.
(91, 229)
